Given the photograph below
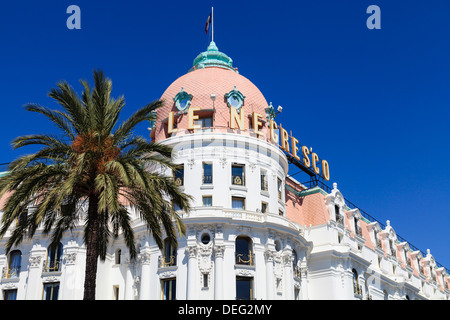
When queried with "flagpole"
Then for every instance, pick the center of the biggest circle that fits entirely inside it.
(212, 22)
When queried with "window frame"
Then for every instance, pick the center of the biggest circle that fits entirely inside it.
(203, 173)
(233, 198)
(241, 177)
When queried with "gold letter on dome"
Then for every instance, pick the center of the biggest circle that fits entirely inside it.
(256, 122)
(238, 118)
(315, 159)
(284, 139)
(273, 135)
(294, 142)
(192, 118)
(170, 128)
(306, 161)
(325, 170)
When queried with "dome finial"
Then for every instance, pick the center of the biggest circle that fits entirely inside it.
(212, 57)
(212, 47)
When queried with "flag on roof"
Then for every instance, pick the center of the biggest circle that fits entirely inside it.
(208, 22)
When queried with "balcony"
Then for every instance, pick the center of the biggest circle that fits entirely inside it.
(10, 273)
(207, 179)
(357, 290)
(52, 266)
(245, 259)
(167, 261)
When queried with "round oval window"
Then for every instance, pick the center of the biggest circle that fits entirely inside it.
(206, 238)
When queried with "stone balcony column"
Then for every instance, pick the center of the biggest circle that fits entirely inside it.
(129, 281)
(145, 273)
(288, 276)
(218, 272)
(34, 283)
(268, 255)
(191, 273)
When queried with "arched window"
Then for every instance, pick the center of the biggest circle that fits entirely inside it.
(243, 250)
(356, 287)
(385, 294)
(54, 256)
(14, 264)
(170, 254)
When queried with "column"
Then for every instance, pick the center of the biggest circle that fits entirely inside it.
(191, 274)
(218, 272)
(304, 280)
(268, 255)
(145, 274)
(129, 282)
(36, 258)
(288, 276)
(72, 275)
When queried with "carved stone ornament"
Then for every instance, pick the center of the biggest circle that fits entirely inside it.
(268, 255)
(204, 258)
(70, 258)
(242, 272)
(35, 261)
(191, 251)
(145, 258)
(168, 274)
(219, 251)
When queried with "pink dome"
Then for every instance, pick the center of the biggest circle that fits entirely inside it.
(201, 84)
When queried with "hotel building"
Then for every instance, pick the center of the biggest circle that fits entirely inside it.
(254, 232)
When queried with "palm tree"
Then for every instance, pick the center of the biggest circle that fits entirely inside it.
(93, 163)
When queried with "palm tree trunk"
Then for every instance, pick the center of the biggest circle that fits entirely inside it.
(91, 240)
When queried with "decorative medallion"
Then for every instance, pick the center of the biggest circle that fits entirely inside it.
(235, 99)
(183, 100)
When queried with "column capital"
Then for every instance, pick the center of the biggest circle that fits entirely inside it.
(219, 251)
(269, 255)
(192, 251)
(35, 261)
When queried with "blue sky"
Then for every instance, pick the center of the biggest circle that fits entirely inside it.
(373, 103)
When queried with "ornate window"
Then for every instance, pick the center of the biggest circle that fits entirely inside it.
(238, 174)
(54, 256)
(14, 265)
(243, 251)
(169, 258)
(178, 175)
(235, 99)
(183, 100)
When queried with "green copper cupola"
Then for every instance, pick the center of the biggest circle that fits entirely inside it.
(212, 57)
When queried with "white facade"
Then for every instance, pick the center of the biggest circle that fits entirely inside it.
(288, 261)
(244, 239)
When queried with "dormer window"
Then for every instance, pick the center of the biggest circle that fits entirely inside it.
(235, 99)
(183, 100)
